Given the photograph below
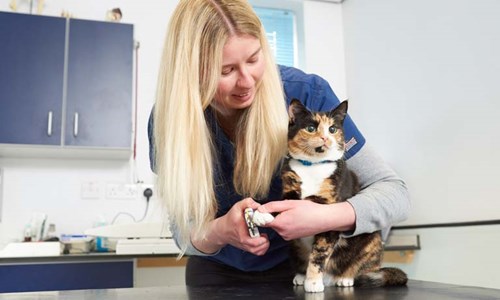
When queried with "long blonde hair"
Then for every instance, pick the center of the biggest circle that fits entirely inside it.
(190, 70)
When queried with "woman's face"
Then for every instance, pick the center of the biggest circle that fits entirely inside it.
(242, 68)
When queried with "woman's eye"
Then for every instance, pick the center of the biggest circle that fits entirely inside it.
(254, 58)
(332, 129)
(310, 128)
(226, 71)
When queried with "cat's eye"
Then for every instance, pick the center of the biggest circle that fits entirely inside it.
(332, 129)
(311, 128)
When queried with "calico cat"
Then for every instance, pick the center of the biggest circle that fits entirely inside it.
(315, 170)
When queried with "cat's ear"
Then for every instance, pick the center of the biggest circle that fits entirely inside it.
(295, 109)
(339, 113)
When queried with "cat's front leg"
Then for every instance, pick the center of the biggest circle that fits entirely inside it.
(314, 274)
(322, 249)
(314, 284)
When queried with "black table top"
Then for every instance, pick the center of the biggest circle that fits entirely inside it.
(416, 290)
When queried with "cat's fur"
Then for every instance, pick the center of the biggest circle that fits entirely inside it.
(317, 138)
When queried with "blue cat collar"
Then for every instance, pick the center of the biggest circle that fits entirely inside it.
(310, 163)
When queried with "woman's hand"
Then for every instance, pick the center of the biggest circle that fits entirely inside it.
(232, 229)
(301, 218)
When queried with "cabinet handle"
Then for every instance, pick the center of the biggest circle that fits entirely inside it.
(75, 125)
(49, 124)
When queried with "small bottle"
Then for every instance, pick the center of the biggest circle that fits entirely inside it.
(51, 233)
(101, 243)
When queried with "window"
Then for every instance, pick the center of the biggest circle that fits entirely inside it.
(281, 33)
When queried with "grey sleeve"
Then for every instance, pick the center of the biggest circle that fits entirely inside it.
(383, 199)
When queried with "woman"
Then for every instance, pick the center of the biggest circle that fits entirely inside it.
(217, 136)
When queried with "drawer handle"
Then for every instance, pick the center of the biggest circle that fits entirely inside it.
(49, 124)
(75, 125)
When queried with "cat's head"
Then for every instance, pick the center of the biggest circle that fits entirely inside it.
(316, 136)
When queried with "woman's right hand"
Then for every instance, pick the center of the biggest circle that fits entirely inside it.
(232, 229)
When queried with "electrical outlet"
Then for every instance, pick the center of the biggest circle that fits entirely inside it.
(142, 187)
(122, 191)
(90, 190)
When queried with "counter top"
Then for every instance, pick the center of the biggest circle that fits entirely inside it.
(416, 290)
(395, 243)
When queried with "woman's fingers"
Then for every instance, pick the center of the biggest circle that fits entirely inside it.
(257, 246)
(277, 206)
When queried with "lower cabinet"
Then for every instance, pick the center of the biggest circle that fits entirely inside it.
(66, 276)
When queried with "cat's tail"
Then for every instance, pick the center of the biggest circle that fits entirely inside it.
(382, 277)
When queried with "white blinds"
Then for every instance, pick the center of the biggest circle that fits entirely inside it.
(281, 33)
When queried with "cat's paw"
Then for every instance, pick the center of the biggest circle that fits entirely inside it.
(314, 285)
(261, 219)
(345, 282)
(299, 279)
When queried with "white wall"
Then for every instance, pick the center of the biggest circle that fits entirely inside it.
(422, 77)
(324, 44)
(457, 255)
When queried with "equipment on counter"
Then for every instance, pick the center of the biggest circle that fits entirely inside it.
(32, 249)
(138, 238)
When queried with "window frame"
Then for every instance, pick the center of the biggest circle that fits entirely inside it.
(296, 7)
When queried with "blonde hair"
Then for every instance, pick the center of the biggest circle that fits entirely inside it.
(190, 71)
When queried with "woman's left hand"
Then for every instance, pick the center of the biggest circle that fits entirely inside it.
(301, 218)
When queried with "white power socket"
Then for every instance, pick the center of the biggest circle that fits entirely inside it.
(113, 191)
(123, 191)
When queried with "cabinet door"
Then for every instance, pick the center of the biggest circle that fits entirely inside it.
(66, 276)
(99, 97)
(31, 78)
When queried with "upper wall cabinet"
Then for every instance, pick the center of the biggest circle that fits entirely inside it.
(99, 84)
(31, 79)
(65, 83)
